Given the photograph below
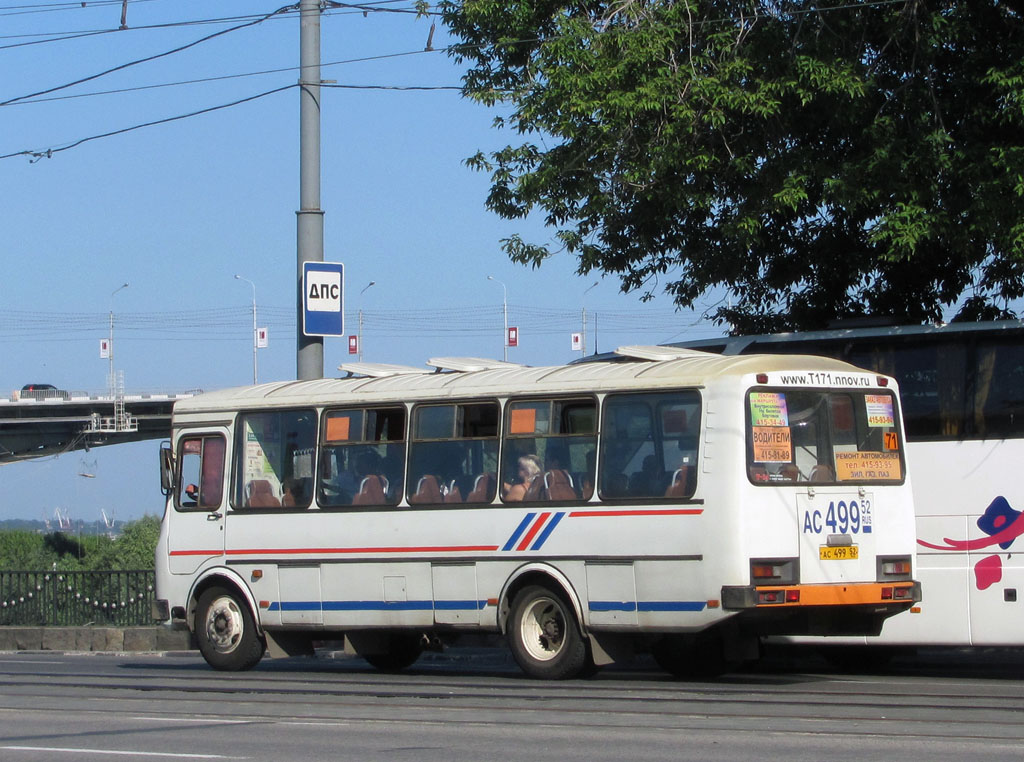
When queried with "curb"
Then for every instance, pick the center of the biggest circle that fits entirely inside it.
(99, 639)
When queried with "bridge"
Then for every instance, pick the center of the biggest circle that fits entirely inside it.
(37, 424)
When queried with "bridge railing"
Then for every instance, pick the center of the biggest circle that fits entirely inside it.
(76, 598)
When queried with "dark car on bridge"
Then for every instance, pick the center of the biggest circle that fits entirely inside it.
(43, 392)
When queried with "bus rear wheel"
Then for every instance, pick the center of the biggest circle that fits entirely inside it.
(226, 631)
(544, 636)
(403, 650)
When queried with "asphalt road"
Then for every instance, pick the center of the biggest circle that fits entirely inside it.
(475, 705)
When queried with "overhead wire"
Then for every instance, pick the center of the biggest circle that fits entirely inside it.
(146, 59)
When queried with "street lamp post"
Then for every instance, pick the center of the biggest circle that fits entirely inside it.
(255, 335)
(583, 344)
(110, 348)
(504, 314)
(359, 337)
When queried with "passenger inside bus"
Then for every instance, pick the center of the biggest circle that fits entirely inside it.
(526, 486)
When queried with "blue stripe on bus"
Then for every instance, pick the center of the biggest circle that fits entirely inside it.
(647, 606)
(469, 605)
(612, 606)
(671, 606)
(519, 530)
(547, 530)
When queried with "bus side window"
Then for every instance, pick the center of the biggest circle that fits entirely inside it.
(559, 437)
(451, 448)
(361, 457)
(274, 459)
(649, 445)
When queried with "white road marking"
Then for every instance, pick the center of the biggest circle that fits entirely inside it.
(115, 752)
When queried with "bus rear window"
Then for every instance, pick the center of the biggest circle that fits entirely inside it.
(803, 436)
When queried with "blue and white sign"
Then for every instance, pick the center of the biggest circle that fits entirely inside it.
(323, 288)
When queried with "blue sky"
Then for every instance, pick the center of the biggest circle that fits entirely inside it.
(177, 209)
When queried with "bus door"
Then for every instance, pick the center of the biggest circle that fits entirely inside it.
(196, 532)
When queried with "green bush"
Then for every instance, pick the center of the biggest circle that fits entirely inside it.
(22, 550)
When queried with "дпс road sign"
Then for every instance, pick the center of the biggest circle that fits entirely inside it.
(323, 288)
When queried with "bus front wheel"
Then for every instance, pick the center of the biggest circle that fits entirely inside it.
(544, 636)
(226, 631)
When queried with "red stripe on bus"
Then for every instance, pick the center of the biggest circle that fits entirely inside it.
(328, 551)
(533, 530)
(195, 553)
(641, 512)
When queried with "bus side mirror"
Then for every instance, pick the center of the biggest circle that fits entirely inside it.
(166, 468)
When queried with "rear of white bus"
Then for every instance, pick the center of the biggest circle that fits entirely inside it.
(826, 510)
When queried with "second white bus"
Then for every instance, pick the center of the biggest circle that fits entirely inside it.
(675, 501)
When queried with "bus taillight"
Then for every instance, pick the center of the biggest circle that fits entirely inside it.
(892, 568)
(779, 571)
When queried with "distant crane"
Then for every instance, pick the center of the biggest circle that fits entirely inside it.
(61, 516)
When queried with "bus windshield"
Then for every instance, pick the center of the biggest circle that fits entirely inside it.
(811, 436)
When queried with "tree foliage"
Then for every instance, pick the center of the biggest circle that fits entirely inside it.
(133, 549)
(817, 162)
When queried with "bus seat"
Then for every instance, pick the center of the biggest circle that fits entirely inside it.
(678, 486)
(371, 491)
(790, 473)
(822, 473)
(558, 485)
(483, 489)
(261, 495)
(453, 494)
(427, 491)
(535, 490)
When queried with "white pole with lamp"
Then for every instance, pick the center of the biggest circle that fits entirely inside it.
(255, 334)
(504, 314)
(110, 348)
(359, 337)
(583, 344)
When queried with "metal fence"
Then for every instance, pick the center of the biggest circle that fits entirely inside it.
(71, 599)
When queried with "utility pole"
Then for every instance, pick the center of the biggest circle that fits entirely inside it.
(309, 360)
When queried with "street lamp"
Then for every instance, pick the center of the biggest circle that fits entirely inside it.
(504, 313)
(583, 345)
(110, 348)
(359, 337)
(255, 335)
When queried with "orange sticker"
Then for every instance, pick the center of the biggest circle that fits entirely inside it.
(892, 441)
(337, 428)
(867, 466)
(772, 444)
(522, 420)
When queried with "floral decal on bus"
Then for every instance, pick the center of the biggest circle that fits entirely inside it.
(1003, 525)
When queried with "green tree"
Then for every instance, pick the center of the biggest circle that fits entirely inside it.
(136, 545)
(21, 550)
(815, 162)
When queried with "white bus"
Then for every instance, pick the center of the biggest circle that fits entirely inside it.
(676, 501)
(962, 387)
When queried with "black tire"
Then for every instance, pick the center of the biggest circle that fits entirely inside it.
(403, 651)
(226, 631)
(691, 656)
(544, 635)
